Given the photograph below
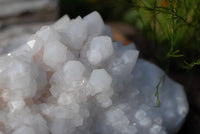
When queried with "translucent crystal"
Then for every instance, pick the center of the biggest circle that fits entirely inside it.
(100, 50)
(100, 80)
(95, 23)
(24, 130)
(58, 53)
(75, 34)
(71, 78)
(62, 24)
(73, 70)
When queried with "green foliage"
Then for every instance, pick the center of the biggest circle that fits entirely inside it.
(156, 94)
(191, 65)
(172, 25)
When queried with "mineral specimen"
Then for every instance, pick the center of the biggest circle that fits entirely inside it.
(71, 78)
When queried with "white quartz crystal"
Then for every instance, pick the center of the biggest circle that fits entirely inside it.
(100, 49)
(100, 80)
(24, 130)
(73, 70)
(75, 34)
(47, 34)
(62, 24)
(58, 53)
(95, 24)
(70, 78)
(16, 104)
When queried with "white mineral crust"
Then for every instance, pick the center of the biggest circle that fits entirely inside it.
(70, 78)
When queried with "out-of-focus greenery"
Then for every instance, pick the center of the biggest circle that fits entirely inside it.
(171, 27)
(174, 28)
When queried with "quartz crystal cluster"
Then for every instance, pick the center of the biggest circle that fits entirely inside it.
(72, 78)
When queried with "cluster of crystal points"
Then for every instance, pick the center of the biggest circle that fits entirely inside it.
(71, 78)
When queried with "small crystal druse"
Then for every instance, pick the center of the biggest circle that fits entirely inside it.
(71, 78)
